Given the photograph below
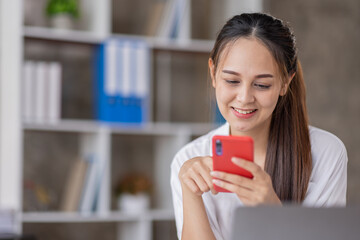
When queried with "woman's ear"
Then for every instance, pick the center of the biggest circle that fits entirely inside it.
(286, 85)
(212, 71)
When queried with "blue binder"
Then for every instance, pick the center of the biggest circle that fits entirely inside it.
(122, 81)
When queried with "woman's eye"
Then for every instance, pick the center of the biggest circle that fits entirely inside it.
(232, 81)
(262, 86)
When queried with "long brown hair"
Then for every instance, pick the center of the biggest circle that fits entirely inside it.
(288, 158)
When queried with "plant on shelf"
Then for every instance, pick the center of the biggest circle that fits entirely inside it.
(133, 193)
(62, 12)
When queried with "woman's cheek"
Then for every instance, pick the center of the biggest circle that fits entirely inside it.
(268, 100)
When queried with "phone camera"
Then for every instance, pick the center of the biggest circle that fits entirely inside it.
(218, 147)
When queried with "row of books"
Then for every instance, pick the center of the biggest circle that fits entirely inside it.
(176, 23)
(82, 189)
(170, 19)
(122, 85)
(122, 81)
(41, 92)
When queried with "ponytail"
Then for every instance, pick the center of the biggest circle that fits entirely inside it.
(288, 159)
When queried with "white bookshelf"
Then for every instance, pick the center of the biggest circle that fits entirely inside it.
(97, 138)
(10, 122)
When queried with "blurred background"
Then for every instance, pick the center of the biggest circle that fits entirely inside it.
(327, 36)
(87, 173)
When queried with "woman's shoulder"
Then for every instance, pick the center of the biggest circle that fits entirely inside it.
(326, 144)
(326, 139)
(327, 186)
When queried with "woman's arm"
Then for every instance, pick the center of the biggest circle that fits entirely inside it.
(196, 224)
(195, 179)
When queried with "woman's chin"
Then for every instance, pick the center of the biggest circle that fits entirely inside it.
(240, 129)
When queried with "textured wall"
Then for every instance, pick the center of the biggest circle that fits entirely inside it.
(328, 38)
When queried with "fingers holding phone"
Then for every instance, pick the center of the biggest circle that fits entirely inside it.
(252, 191)
(195, 175)
(226, 147)
(235, 171)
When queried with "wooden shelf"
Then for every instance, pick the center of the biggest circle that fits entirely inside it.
(86, 37)
(115, 216)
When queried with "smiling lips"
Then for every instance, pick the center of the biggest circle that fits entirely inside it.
(244, 113)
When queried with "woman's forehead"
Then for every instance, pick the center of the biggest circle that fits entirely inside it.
(247, 55)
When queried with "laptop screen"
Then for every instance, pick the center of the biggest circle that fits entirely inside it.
(296, 223)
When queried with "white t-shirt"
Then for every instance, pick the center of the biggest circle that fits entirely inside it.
(327, 185)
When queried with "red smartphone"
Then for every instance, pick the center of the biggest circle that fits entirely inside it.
(226, 147)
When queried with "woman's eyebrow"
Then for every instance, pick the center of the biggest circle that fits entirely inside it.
(231, 72)
(265, 75)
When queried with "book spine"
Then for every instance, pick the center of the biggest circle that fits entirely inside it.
(110, 68)
(110, 79)
(74, 185)
(54, 90)
(125, 88)
(168, 20)
(142, 82)
(40, 94)
(28, 95)
(134, 71)
(184, 21)
(99, 92)
(119, 114)
(88, 198)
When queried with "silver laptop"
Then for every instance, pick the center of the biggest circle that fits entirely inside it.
(296, 223)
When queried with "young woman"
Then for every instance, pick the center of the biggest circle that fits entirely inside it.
(260, 91)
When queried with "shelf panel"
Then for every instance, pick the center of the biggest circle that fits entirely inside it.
(86, 37)
(164, 128)
(65, 126)
(194, 45)
(62, 35)
(88, 126)
(116, 216)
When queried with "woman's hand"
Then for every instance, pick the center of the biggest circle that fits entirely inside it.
(255, 191)
(195, 175)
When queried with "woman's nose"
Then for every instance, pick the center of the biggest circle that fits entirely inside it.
(245, 95)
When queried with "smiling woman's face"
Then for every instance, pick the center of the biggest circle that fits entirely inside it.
(247, 86)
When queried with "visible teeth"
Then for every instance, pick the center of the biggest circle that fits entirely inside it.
(244, 112)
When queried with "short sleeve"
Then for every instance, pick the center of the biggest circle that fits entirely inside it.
(328, 182)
